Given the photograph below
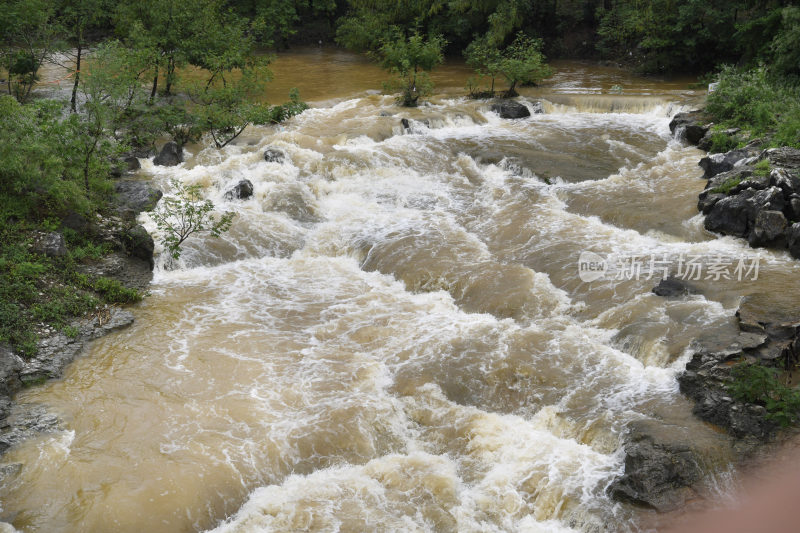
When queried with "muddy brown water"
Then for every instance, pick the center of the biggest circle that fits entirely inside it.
(394, 335)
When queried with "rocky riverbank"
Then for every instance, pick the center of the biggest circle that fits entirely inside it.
(129, 262)
(752, 193)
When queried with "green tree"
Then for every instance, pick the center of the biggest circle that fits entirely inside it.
(486, 59)
(786, 44)
(410, 59)
(522, 62)
(184, 214)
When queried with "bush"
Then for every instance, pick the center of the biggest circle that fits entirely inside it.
(754, 383)
(115, 292)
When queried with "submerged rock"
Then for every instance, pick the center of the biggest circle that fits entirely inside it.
(673, 287)
(690, 125)
(241, 191)
(274, 155)
(171, 154)
(510, 109)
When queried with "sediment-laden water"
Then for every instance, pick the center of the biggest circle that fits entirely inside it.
(394, 335)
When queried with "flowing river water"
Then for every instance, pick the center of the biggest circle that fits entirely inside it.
(394, 336)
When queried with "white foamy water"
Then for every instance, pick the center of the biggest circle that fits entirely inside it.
(393, 336)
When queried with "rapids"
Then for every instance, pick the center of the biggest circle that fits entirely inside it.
(394, 336)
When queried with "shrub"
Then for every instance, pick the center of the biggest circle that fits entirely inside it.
(754, 383)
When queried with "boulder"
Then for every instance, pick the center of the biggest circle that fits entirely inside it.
(405, 123)
(133, 197)
(731, 215)
(792, 210)
(706, 142)
(240, 191)
(10, 366)
(689, 125)
(769, 227)
(793, 240)
(171, 154)
(139, 243)
(273, 155)
(672, 288)
(510, 109)
(785, 181)
(717, 163)
(51, 244)
(783, 157)
(659, 469)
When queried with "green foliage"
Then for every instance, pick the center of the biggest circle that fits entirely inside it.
(522, 62)
(114, 292)
(757, 102)
(485, 59)
(184, 214)
(762, 168)
(410, 59)
(754, 383)
(722, 142)
(727, 186)
(785, 46)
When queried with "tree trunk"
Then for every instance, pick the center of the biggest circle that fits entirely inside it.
(155, 86)
(77, 75)
(170, 76)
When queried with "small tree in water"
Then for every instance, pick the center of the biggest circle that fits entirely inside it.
(185, 214)
(522, 62)
(411, 59)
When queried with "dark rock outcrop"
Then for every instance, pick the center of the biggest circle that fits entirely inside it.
(793, 240)
(510, 109)
(134, 196)
(691, 126)
(660, 469)
(51, 244)
(750, 202)
(241, 191)
(274, 155)
(673, 288)
(139, 243)
(171, 154)
(10, 367)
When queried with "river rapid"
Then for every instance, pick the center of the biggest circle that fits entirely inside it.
(394, 335)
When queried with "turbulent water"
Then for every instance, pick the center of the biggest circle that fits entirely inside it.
(394, 336)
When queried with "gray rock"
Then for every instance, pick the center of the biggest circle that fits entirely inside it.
(405, 123)
(135, 196)
(26, 421)
(793, 209)
(689, 125)
(785, 181)
(240, 191)
(793, 240)
(672, 288)
(784, 157)
(659, 470)
(171, 154)
(731, 215)
(131, 271)
(717, 163)
(769, 227)
(51, 244)
(537, 108)
(510, 109)
(139, 243)
(10, 366)
(274, 155)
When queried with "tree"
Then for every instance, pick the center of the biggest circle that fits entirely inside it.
(786, 44)
(522, 62)
(27, 39)
(411, 59)
(486, 59)
(185, 214)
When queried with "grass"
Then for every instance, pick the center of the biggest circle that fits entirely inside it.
(35, 289)
(754, 383)
(761, 104)
(762, 168)
(727, 186)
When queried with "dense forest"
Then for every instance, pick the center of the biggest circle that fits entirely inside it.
(56, 155)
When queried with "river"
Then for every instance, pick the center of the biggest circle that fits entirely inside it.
(394, 335)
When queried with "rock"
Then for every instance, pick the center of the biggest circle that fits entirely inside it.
(784, 157)
(689, 125)
(717, 163)
(133, 197)
(139, 243)
(706, 142)
(171, 154)
(731, 215)
(510, 109)
(51, 244)
(273, 155)
(673, 287)
(131, 271)
(294, 200)
(659, 470)
(26, 421)
(241, 191)
(786, 182)
(793, 240)
(708, 199)
(769, 227)
(537, 108)
(10, 367)
(76, 222)
(793, 209)
(405, 123)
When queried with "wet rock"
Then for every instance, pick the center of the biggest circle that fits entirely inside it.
(139, 243)
(10, 367)
(293, 200)
(537, 108)
(26, 421)
(783, 157)
(274, 155)
(731, 215)
(769, 227)
(690, 125)
(241, 191)
(792, 209)
(785, 181)
(134, 196)
(131, 271)
(405, 123)
(708, 199)
(672, 288)
(717, 163)
(659, 469)
(51, 244)
(510, 109)
(171, 154)
(793, 240)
